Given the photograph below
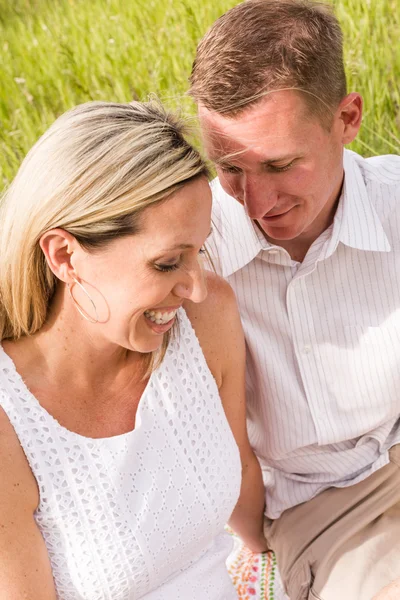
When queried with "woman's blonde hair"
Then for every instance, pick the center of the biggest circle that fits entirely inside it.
(92, 173)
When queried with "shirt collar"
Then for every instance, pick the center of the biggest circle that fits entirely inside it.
(356, 222)
(238, 241)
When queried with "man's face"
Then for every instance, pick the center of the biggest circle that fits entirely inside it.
(280, 163)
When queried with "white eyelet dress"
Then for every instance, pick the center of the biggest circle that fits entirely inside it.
(138, 515)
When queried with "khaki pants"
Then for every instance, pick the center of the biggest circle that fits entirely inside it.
(344, 544)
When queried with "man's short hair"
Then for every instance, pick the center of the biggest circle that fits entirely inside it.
(261, 46)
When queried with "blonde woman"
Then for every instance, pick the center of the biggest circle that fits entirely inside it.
(122, 441)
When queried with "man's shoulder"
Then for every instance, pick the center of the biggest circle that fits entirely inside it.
(222, 200)
(217, 189)
(373, 185)
(228, 214)
(234, 242)
(383, 169)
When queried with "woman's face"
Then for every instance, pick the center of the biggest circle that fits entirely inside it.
(138, 282)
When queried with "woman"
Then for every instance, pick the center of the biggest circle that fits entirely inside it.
(122, 441)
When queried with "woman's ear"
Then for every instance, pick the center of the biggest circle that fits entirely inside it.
(58, 246)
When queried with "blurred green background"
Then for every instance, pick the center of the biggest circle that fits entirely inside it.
(57, 53)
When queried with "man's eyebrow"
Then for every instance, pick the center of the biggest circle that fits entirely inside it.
(226, 162)
(264, 161)
(217, 160)
(278, 159)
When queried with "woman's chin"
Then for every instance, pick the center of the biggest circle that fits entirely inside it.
(147, 346)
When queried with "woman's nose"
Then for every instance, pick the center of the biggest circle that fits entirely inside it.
(193, 287)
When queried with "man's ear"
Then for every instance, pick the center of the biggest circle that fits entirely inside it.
(349, 112)
(58, 246)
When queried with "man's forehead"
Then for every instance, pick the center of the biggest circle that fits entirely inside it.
(259, 143)
(278, 121)
(272, 102)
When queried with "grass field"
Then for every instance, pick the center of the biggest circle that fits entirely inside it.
(57, 53)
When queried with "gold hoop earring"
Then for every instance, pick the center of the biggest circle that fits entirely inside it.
(82, 312)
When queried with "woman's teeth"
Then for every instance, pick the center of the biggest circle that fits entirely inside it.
(160, 318)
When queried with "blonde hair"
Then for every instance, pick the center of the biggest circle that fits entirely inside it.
(92, 174)
(260, 46)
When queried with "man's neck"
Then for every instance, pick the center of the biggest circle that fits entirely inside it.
(298, 247)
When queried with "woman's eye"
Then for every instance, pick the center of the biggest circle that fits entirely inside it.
(166, 268)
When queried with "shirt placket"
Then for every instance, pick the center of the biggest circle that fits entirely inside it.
(303, 323)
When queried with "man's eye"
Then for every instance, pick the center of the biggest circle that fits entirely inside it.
(229, 169)
(279, 169)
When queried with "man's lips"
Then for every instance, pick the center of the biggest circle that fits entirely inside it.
(277, 215)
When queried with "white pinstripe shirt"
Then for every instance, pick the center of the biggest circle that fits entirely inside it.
(323, 336)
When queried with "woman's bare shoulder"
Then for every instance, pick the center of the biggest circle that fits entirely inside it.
(220, 298)
(25, 570)
(19, 487)
(217, 324)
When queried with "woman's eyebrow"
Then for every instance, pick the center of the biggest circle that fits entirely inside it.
(183, 246)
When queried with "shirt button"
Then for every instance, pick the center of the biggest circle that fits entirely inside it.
(306, 349)
(273, 251)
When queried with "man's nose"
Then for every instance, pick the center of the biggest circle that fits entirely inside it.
(259, 196)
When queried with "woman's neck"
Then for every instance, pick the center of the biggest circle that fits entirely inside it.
(66, 350)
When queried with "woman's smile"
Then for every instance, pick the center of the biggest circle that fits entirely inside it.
(160, 320)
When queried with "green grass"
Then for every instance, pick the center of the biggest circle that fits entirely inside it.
(57, 53)
(372, 54)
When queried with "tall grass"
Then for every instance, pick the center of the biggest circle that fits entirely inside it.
(372, 52)
(57, 53)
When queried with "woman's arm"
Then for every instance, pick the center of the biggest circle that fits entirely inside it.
(391, 592)
(25, 572)
(218, 327)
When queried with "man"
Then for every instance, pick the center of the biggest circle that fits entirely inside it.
(308, 235)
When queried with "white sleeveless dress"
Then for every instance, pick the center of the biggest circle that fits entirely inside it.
(142, 514)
